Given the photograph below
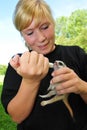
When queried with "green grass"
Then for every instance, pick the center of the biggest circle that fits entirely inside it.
(5, 121)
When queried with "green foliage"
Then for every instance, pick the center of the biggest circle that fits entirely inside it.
(5, 120)
(2, 69)
(72, 30)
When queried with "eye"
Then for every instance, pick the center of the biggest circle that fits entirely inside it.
(44, 26)
(29, 33)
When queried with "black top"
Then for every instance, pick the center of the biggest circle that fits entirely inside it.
(54, 116)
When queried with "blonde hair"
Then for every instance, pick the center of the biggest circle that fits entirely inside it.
(27, 10)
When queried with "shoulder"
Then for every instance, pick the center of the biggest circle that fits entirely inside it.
(73, 53)
(71, 49)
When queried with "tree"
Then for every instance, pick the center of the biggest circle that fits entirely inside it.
(72, 30)
(2, 69)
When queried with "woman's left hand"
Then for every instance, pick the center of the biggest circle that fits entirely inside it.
(68, 82)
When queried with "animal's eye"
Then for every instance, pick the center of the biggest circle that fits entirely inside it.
(60, 64)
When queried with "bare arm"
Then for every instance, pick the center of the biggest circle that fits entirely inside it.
(32, 67)
(83, 92)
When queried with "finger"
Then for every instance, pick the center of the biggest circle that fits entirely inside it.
(25, 58)
(46, 66)
(67, 84)
(40, 61)
(60, 71)
(62, 78)
(14, 62)
(34, 58)
(67, 90)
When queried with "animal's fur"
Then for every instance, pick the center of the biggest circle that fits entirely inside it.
(52, 91)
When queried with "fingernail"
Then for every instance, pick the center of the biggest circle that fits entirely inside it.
(51, 82)
(52, 74)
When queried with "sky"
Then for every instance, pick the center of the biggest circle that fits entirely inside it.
(10, 40)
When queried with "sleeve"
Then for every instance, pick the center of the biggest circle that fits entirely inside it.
(11, 85)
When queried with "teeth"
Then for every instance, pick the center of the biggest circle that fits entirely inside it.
(51, 65)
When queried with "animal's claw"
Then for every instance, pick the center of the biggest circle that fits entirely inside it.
(51, 93)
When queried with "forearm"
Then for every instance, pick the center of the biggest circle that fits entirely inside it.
(83, 93)
(33, 67)
(21, 105)
(84, 97)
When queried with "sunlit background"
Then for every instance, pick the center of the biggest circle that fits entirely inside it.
(10, 40)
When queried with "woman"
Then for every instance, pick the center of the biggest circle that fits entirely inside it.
(28, 74)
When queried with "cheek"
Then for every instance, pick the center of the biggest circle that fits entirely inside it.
(29, 40)
(50, 33)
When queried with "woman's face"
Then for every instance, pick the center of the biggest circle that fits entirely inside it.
(40, 38)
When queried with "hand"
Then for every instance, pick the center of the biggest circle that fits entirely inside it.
(68, 82)
(31, 66)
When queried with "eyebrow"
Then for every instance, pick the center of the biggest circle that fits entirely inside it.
(27, 30)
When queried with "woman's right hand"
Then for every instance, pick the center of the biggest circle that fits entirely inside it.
(31, 66)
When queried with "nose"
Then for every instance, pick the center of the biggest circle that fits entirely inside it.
(41, 37)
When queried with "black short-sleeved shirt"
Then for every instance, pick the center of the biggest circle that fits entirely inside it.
(54, 116)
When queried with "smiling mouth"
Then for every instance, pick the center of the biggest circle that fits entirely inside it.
(42, 47)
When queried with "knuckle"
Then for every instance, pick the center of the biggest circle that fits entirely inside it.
(34, 53)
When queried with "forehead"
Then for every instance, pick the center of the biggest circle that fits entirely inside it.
(36, 23)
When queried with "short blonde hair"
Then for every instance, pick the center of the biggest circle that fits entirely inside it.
(27, 10)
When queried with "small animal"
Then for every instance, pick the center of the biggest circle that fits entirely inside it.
(52, 91)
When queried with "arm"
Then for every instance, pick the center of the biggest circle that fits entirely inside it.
(32, 67)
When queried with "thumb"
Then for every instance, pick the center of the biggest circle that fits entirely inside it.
(14, 62)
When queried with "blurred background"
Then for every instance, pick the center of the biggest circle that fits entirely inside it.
(71, 29)
(10, 40)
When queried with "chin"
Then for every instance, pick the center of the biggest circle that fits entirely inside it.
(46, 52)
